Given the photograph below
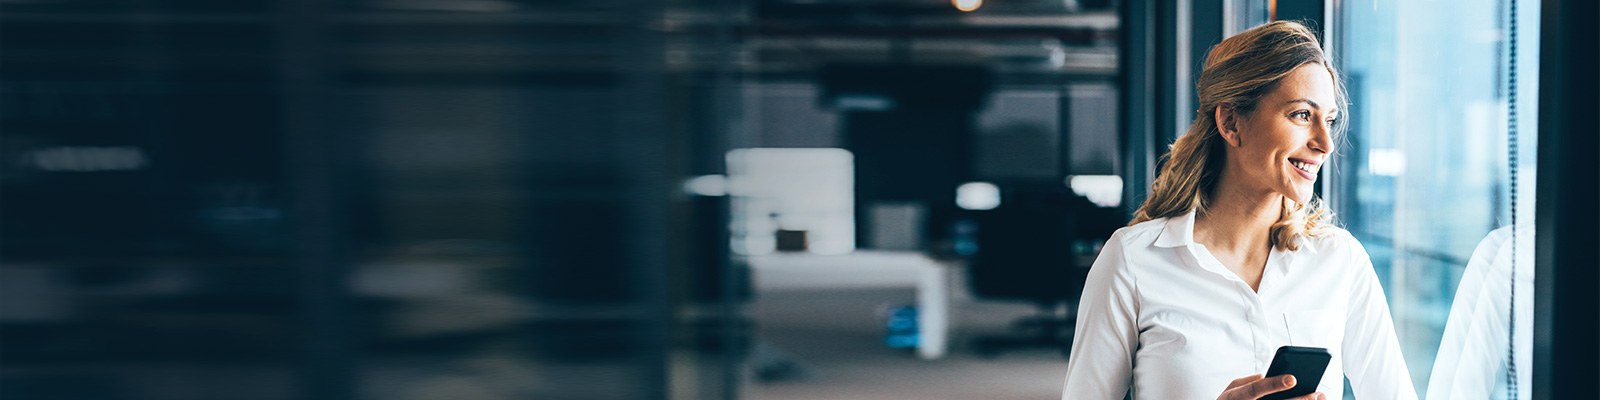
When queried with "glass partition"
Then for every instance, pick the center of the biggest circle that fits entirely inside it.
(1436, 176)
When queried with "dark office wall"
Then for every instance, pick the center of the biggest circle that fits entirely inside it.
(912, 141)
(789, 115)
(1094, 132)
(1018, 135)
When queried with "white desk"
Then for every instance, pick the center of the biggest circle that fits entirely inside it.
(870, 269)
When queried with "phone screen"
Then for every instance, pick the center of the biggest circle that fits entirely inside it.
(1307, 364)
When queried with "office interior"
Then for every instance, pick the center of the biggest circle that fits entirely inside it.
(728, 199)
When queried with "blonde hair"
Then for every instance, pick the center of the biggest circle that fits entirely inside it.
(1238, 73)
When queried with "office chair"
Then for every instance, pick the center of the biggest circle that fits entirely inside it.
(1026, 252)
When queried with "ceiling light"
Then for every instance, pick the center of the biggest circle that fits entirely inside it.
(967, 5)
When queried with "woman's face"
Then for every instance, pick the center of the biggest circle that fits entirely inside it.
(1282, 144)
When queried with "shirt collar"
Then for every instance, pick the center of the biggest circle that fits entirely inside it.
(1179, 231)
(1305, 245)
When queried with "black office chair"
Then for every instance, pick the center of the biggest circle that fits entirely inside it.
(1026, 251)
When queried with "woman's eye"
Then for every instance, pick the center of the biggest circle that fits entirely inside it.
(1301, 115)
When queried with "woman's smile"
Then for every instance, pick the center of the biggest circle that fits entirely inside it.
(1306, 168)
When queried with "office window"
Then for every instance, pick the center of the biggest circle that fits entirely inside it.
(1436, 170)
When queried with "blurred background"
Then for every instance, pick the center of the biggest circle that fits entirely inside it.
(698, 199)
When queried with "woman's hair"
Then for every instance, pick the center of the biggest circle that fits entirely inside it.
(1238, 73)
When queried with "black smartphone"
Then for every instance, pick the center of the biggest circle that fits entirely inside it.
(1306, 364)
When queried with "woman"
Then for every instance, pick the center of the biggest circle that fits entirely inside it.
(1231, 256)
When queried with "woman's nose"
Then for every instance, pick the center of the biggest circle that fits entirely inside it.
(1321, 138)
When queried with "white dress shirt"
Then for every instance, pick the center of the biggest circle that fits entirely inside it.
(1161, 318)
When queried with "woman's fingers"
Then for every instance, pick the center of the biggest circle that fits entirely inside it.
(1254, 387)
(1267, 386)
(1243, 381)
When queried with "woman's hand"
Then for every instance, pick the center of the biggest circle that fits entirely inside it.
(1254, 386)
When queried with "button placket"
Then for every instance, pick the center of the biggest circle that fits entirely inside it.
(1255, 316)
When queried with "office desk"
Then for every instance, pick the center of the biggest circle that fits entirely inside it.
(865, 269)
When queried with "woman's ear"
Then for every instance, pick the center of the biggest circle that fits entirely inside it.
(1228, 124)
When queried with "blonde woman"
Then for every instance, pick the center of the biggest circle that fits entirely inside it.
(1231, 256)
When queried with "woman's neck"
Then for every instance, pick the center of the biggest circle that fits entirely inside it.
(1238, 219)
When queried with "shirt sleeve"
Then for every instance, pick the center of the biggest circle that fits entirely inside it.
(1372, 358)
(1100, 365)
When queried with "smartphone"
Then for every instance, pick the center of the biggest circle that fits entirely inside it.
(1306, 364)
